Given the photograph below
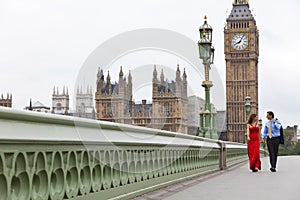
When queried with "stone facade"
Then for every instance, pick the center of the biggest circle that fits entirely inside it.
(113, 100)
(168, 110)
(293, 131)
(84, 103)
(194, 105)
(60, 102)
(241, 43)
(6, 102)
(170, 102)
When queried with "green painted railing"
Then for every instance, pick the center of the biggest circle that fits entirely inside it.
(44, 156)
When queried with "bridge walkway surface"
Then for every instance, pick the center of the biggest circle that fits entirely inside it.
(239, 183)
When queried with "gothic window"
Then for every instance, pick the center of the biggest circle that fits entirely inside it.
(166, 109)
(109, 109)
(82, 108)
(58, 105)
(126, 109)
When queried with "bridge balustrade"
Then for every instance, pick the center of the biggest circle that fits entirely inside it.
(46, 156)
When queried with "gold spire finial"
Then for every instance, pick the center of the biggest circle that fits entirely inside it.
(205, 19)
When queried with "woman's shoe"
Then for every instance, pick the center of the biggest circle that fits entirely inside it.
(254, 170)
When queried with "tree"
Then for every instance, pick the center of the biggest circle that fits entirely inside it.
(289, 147)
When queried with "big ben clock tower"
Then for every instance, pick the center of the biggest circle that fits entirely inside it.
(241, 47)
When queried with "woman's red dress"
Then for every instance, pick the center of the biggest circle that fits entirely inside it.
(253, 148)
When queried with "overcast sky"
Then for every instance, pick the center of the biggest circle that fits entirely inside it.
(45, 42)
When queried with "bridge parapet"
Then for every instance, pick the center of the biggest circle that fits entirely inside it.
(44, 156)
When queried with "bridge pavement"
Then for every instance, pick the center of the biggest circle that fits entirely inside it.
(238, 183)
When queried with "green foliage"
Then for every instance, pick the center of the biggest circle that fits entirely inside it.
(297, 148)
(289, 147)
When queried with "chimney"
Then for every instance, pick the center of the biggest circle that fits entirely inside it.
(144, 102)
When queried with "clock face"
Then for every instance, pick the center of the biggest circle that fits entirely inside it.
(239, 41)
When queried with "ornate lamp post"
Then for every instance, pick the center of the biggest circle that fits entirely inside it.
(263, 144)
(260, 124)
(248, 109)
(206, 52)
(247, 105)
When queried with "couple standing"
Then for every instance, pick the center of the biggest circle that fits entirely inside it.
(271, 133)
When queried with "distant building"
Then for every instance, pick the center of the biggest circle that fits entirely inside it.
(294, 131)
(84, 104)
(168, 110)
(221, 125)
(84, 100)
(169, 102)
(113, 100)
(6, 102)
(60, 102)
(38, 107)
(194, 105)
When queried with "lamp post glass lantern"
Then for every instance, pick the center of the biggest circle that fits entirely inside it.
(260, 124)
(206, 31)
(248, 105)
(212, 50)
(206, 50)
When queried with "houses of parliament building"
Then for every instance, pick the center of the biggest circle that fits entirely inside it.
(6, 102)
(168, 110)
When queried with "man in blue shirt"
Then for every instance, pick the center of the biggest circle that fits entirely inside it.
(272, 133)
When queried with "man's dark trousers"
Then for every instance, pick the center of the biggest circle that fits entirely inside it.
(273, 145)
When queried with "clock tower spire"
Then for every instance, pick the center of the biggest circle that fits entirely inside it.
(241, 47)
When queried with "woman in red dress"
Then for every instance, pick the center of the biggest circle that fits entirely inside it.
(254, 137)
